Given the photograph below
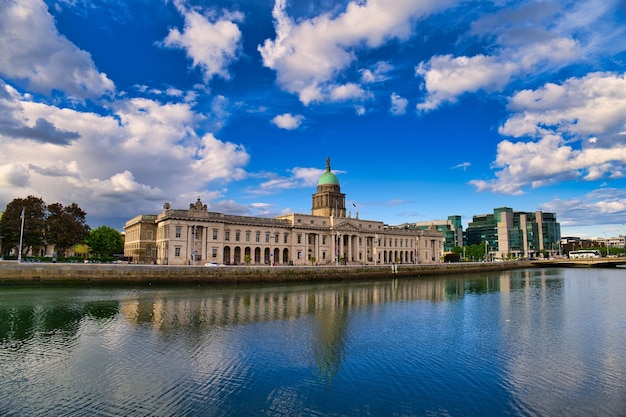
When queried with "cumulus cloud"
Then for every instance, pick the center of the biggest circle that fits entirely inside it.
(12, 125)
(530, 39)
(398, 105)
(288, 121)
(601, 206)
(34, 51)
(593, 106)
(377, 74)
(563, 118)
(211, 42)
(309, 54)
(118, 163)
(12, 175)
(549, 161)
(447, 77)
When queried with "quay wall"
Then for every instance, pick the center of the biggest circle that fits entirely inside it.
(54, 273)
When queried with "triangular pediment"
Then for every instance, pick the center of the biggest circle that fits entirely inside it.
(347, 226)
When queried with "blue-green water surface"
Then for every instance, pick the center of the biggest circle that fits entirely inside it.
(537, 342)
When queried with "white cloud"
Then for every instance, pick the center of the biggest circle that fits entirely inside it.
(463, 165)
(377, 74)
(212, 43)
(589, 111)
(531, 38)
(34, 51)
(288, 121)
(447, 77)
(347, 91)
(549, 161)
(602, 206)
(398, 105)
(299, 178)
(12, 175)
(309, 54)
(132, 160)
(594, 105)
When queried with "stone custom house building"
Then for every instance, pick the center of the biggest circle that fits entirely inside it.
(325, 237)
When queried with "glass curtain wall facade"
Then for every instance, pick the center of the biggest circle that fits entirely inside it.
(516, 234)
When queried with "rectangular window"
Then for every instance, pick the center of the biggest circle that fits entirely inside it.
(286, 238)
(196, 232)
(276, 238)
(237, 236)
(214, 234)
(177, 252)
(214, 253)
(299, 238)
(150, 235)
(227, 235)
(323, 240)
(267, 237)
(148, 250)
(178, 231)
(323, 255)
(257, 237)
(247, 236)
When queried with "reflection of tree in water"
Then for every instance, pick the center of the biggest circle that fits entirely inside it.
(23, 321)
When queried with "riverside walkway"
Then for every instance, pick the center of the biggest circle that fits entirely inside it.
(582, 262)
(12, 272)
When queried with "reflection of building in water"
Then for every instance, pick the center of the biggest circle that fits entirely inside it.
(328, 235)
(285, 303)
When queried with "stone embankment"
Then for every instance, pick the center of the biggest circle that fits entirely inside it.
(52, 273)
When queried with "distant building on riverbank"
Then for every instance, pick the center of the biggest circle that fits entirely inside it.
(329, 235)
(452, 230)
(516, 234)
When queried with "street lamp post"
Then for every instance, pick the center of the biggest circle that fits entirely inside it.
(19, 249)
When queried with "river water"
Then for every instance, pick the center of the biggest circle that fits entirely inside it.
(536, 342)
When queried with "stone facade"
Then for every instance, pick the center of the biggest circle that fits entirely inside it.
(326, 237)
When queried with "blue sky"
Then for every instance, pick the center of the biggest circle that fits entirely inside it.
(427, 108)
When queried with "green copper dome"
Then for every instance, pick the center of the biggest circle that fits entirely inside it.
(328, 178)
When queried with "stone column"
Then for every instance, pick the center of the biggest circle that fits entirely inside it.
(204, 237)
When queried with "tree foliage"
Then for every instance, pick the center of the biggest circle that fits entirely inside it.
(43, 225)
(105, 241)
(65, 226)
(34, 223)
(475, 252)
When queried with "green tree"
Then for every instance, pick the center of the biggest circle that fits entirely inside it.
(105, 241)
(475, 251)
(65, 226)
(34, 223)
(81, 249)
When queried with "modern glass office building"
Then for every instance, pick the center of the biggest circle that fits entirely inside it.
(515, 234)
